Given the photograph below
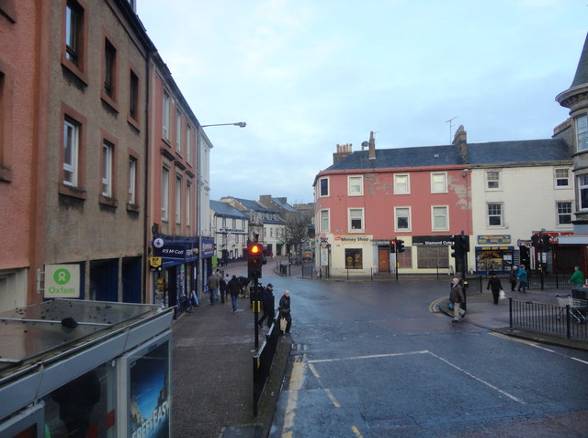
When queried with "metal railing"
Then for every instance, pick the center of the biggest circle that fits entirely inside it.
(547, 319)
(262, 362)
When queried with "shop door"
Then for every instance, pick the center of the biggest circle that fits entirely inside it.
(104, 280)
(131, 278)
(172, 287)
(383, 259)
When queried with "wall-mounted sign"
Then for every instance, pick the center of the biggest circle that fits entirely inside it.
(431, 241)
(62, 281)
(494, 239)
(174, 249)
(352, 238)
(155, 262)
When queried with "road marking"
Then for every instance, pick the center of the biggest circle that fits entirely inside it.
(434, 306)
(332, 397)
(314, 371)
(371, 356)
(542, 348)
(579, 360)
(356, 431)
(296, 381)
(327, 390)
(489, 385)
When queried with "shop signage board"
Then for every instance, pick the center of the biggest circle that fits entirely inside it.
(207, 245)
(431, 241)
(324, 256)
(494, 239)
(62, 281)
(353, 239)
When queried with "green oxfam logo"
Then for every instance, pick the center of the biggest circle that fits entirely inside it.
(61, 276)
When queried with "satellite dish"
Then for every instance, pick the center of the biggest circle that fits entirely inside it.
(364, 145)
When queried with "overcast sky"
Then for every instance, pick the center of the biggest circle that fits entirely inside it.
(308, 74)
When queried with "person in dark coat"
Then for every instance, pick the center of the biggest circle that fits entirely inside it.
(234, 288)
(495, 286)
(457, 297)
(268, 302)
(513, 278)
(222, 284)
(284, 309)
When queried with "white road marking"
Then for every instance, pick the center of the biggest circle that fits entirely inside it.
(371, 356)
(579, 360)
(356, 431)
(542, 348)
(332, 397)
(314, 371)
(477, 379)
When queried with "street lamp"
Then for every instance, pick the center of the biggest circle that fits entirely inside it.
(239, 124)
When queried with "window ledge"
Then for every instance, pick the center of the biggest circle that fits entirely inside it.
(109, 101)
(5, 174)
(166, 141)
(134, 123)
(74, 70)
(132, 208)
(107, 202)
(72, 192)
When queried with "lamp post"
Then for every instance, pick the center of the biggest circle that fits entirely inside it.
(239, 124)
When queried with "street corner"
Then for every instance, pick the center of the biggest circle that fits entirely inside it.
(438, 305)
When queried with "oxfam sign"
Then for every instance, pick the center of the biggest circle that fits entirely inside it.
(62, 281)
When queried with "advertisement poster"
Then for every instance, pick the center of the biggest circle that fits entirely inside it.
(149, 403)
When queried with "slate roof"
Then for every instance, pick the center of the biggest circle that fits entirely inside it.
(254, 205)
(282, 203)
(497, 152)
(581, 76)
(225, 210)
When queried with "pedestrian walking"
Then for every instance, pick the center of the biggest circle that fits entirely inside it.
(234, 287)
(213, 282)
(522, 278)
(284, 309)
(513, 278)
(222, 284)
(577, 278)
(268, 303)
(495, 286)
(457, 298)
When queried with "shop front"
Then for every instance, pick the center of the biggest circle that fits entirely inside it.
(432, 253)
(352, 255)
(208, 262)
(494, 253)
(85, 368)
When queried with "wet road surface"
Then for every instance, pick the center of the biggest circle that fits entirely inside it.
(371, 360)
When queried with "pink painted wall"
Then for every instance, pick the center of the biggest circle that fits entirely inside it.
(379, 201)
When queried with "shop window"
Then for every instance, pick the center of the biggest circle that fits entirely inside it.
(401, 184)
(402, 221)
(564, 213)
(134, 96)
(440, 218)
(405, 258)
(132, 200)
(582, 132)
(84, 406)
(324, 187)
(324, 221)
(353, 258)
(562, 178)
(178, 200)
(495, 215)
(355, 185)
(165, 194)
(71, 152)
(432, 257)
(356, 220)
(492, 180)
(109, 69)
(439, 182)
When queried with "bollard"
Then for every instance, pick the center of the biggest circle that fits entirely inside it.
(372, 274)
(510, 311)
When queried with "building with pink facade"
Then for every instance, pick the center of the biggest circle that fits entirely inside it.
(368, 198)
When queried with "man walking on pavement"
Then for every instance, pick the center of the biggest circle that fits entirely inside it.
(577, 278)
(213, 282)
(284, 309)
(223, 287)
(457, 297)
(268, 302)
(495, 286)
(234, 287)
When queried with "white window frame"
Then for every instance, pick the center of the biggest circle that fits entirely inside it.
(73, 166)
(501, 214)
(132, 180)
(578, 133)
(328, 227)
(362, 230)
(433, 207)
(396, 190)
(178, 206)
(165, 194)
(188, 143)
(107, 157)
(409, 219)
(555, 178)
(166, 102)
(188, 204)
(349, 178)
(328, 187)
(486, 180)
(433, 183)
(580, 187)
(178, 131)
(557, 213)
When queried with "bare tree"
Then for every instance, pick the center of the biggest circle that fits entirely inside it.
(296, 230)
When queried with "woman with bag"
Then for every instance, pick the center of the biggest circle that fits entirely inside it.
(495, 286)
(284, 309)
(457, 297)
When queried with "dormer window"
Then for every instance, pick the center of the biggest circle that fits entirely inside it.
(582, 133)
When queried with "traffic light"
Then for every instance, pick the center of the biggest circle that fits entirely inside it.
(465, 243)
(255, 261)
(457, 247)
(399, 246)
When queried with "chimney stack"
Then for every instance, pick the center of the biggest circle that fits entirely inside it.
(460, 139)
(343, 151)
(372, 147)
